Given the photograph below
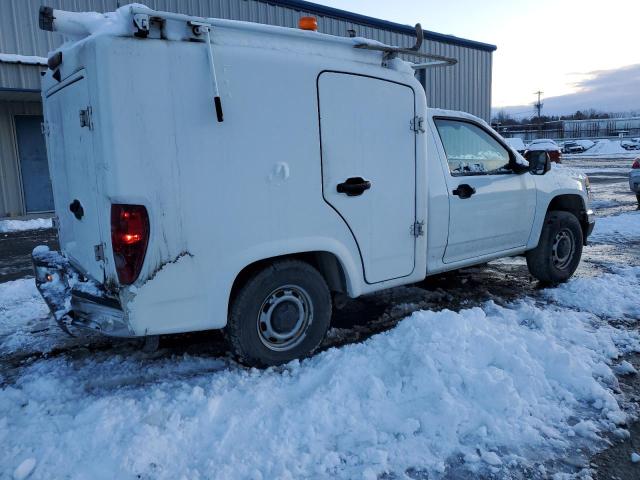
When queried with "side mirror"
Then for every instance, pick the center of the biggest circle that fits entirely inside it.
(539, 161)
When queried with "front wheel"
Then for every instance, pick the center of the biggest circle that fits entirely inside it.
(281, 313)
(558, 253)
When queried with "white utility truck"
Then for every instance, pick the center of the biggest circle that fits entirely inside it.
(214, 174)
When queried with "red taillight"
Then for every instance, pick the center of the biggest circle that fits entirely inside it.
(636, 164)
(129, 239)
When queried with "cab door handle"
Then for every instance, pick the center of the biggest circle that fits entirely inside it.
(464, 191)
(354, 186)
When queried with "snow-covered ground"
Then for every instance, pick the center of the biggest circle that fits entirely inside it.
(501, 388)
(491, 387)
(7, 226)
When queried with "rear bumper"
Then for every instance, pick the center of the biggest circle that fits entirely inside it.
(75, 301)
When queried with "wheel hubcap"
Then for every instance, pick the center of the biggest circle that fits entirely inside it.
(284, 318)
(563, 249)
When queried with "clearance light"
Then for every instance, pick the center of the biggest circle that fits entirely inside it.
(308, 23)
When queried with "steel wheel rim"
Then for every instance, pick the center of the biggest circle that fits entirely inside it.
(563, 248)
(284, 318)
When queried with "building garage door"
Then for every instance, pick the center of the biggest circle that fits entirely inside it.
(32, 152)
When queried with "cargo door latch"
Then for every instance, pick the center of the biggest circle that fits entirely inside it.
(98, 250)
(85, 118)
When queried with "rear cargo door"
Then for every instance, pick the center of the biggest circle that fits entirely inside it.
(369, 167)
(70, 150)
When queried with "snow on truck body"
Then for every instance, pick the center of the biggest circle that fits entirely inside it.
(188, 155)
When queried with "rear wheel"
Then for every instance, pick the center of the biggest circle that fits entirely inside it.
(558, 253)
(638, 199)
(281, 313)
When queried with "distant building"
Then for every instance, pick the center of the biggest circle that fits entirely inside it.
(24, 177)
(573, 129)
(606, 127)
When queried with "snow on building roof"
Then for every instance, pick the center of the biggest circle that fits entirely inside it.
(24, 59)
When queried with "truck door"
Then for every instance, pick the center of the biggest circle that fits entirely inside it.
(71, 163)
(368, 167)
(491, 208)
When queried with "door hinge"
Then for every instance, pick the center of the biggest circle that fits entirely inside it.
(44, 127)
(417, 124)
(99, 252)
(417, 229)
(86, 118)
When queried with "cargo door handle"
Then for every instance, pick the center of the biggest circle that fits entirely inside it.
(464, 191)
(354, 186)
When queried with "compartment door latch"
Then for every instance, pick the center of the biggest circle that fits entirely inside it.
(99, 252)
(85, 118)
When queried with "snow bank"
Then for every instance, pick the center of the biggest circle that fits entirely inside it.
(24, 59)
(7, 226)
(623, 228)
(487, 387)
(21, 310)
(612, 295)
(605, 149)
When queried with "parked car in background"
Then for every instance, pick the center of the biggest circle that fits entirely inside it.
(546, 145)
(572, 147)
(631, 144)
(577, 146)
(634, 179)
(517, 144)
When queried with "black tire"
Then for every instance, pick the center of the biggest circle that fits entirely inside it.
(289, 298)
(558, 253)
(638, 199)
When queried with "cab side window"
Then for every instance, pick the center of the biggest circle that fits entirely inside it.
(471, 150)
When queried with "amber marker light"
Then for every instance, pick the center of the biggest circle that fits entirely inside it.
(308, 23)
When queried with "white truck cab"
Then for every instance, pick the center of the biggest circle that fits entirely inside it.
(218, 174)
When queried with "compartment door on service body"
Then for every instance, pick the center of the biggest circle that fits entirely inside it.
(71, 164)
(368, 167)
(491, 208)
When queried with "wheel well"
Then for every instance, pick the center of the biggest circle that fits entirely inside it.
(573, 204)
(325, 262)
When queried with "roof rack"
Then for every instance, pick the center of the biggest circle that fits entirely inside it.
(391, 52)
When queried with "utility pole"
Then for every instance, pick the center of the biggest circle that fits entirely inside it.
(538, 104)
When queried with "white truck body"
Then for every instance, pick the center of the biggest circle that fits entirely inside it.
(303, 112)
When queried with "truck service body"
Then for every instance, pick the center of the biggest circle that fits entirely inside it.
(189, 155)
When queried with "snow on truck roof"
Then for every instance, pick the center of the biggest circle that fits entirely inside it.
(137, 20)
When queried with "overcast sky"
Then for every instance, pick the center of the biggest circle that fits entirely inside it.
(557, 46)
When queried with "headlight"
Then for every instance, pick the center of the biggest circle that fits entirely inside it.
(587, 186)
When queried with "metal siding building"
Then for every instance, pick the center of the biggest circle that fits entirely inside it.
(465, 86)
